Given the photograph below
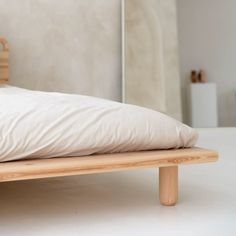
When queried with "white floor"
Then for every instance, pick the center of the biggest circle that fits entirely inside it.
(126, 203)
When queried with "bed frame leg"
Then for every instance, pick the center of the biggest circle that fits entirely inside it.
(168, 185)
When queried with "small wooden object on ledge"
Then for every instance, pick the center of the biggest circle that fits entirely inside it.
(198, 77)
(201, 76)
(194, 77)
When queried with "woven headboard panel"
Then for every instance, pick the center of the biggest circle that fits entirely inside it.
(4, 61)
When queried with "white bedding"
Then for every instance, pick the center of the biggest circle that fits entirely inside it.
(42, 125)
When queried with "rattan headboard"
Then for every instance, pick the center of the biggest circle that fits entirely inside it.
(4, 61)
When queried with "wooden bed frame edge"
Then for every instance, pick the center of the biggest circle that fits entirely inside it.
(166, 160)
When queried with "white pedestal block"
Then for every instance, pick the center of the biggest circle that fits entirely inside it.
(203, 103)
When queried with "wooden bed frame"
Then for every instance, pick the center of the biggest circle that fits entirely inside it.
(166, 160)
(4, 56)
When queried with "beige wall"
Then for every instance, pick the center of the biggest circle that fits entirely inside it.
(151, 56)
(69, 46)
(144, 62)
(75, 46)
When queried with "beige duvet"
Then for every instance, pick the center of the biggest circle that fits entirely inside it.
(42, 125)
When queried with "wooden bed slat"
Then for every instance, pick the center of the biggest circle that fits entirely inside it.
(4, 58)
(68, 166)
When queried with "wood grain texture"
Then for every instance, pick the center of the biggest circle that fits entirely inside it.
(168, 185)
(68, 166)
(4, 61)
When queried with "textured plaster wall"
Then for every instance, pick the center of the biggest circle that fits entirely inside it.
(144, 66)
(68, 46)
(75, 46)
(151, 55)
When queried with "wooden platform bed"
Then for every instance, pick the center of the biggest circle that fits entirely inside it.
(166, 160)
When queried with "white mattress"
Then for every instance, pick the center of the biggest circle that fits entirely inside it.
(37, 124)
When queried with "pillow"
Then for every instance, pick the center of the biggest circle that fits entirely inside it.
(37, 124)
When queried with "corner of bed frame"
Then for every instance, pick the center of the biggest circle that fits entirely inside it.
(167, 161)
(168, 175)
(4, 61)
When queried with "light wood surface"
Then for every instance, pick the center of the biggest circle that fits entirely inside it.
(45, 168)
(4, 61)
(168, 185)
